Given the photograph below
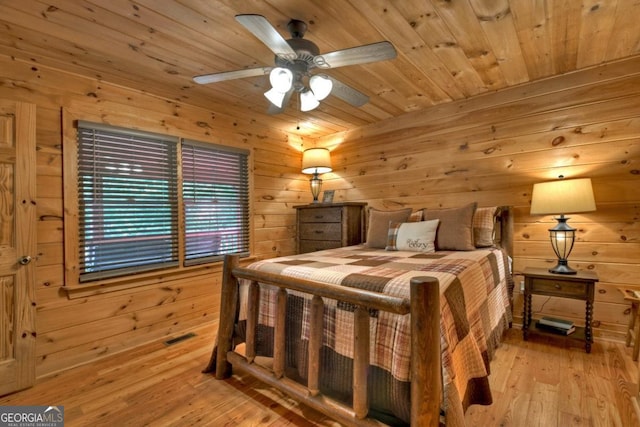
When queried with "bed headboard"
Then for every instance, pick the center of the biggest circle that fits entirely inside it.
(504, 221)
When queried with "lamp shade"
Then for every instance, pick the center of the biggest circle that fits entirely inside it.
(308, 101)
(562, 197)
(321, 86)
(276, 97)
(316, 160)
(281, 79)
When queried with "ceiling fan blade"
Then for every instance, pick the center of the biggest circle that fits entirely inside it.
(231, 75)
(380, 51)
(348, 94)
(267, 34)
(274, 109)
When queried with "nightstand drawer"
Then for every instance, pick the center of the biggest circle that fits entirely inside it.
(318, 245)
(321, 231)
(559, 288)
(320, 215)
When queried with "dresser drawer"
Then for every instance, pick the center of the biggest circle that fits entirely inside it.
(318, 245)
(321, 231)
(559, 287)
(320, 215)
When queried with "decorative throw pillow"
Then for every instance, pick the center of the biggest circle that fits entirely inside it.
(378, 225)
(413, 236)
(484, 221)
(415, 216)
(455, 232)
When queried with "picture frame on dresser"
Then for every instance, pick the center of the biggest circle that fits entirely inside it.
(327, 196)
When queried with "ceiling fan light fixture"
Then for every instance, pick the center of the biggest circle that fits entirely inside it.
(275, 96)
(321, 85)
(281, 79)
(308, 101)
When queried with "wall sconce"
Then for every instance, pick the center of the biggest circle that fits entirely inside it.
(560, 197)
(316, 161)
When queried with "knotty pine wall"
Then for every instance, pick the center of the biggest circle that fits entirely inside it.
(489, 149)
(78, 330)
(492, 149)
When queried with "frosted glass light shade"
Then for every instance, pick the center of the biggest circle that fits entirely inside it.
(281, 79)
(308, 101)
(276, 97)
(562, 197)
(321, 86)
(316, 160)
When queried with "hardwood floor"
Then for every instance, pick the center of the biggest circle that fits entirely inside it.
(535, 383)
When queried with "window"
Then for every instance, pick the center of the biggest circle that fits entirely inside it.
(129, 198)
(216, 201)
(127, 201)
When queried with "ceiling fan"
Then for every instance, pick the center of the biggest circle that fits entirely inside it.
(295, 60)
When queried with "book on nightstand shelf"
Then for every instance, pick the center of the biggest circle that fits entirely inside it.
(554, 329)
(556, 323)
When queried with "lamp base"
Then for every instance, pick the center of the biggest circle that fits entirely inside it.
(562, 268)
(316, 186)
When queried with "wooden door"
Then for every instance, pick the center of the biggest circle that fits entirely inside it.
(17, 245)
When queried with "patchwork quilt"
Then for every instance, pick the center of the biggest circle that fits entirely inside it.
(475, 310)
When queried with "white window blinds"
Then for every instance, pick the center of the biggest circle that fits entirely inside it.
(127, 199)
(216, 201)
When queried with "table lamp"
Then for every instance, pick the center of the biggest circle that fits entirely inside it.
(559, 198)
(316, 161)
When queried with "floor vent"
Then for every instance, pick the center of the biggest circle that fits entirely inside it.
(181, 338)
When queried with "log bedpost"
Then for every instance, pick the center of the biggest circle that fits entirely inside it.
(228, 308)
(426, 368)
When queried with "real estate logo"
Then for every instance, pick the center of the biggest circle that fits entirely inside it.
(31, 416)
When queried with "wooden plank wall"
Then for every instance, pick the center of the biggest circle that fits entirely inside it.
(75, 331)
(492, 149)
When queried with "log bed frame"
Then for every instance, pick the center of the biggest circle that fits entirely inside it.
(426, 387)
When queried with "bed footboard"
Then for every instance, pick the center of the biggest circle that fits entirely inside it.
(424, 306)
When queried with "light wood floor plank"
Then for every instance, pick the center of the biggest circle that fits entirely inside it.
(540, 382)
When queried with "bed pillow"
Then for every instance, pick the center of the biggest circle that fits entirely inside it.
(413, 236)
(378, 225)
(484, 230)
(455, 232)
(415, 216)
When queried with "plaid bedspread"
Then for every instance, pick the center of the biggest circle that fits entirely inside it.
(475, 310)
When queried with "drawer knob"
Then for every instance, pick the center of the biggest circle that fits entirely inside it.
(319, 216)
(319, 231)
(558, 286)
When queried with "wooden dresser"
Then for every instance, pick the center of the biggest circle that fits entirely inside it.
(331, 225)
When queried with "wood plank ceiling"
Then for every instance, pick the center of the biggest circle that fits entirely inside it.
(447, 49)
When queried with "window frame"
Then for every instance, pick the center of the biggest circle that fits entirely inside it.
(72, 284)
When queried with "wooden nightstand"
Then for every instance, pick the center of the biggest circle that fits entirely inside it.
(579, 286)
(331, 225)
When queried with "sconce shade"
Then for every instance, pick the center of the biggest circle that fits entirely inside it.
(316, 160)
(560, 197)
